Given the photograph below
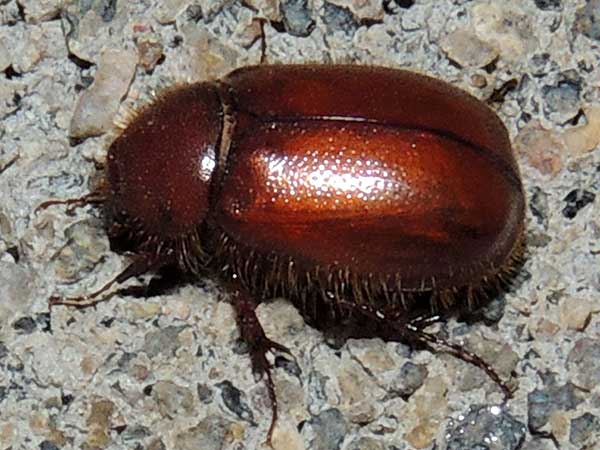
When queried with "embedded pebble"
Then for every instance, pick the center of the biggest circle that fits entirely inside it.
(248, 32)
(358, 393)
(270, 9)
(173, 400)
(144, 310)
(543, 64)
(464, 48)
(329, 429)
(90, 25)
(25, 325)
(559, 424)
(40, 10)
(587, 20)
(27, 53)
(577, 313)
(5, 58)
(538, 204)
(543, 403)
(538, 240)
(410, 378)
(430, 405)
(163, 341)
(209, 58)
(99, 423)
(412, 19)
(205, 393)
(289, 365)
(581, 140)
(422, 435)
(576, 200)
(541, 148)
(157, 444)
(280, 318)
(337, 18)
(297, 17)
(585, 430)
(135, 433)
(177, 309)
(48, 445)
(3, 351)
(562, 101)
(362, 9)
(211, 433)
(16, 290)
(234, 400)
(365, 443)
(584, 362)
(150, 51)
(372, 354)
(292, 399)
(486, 427)
(287, 437)
(508, 29)
(168, 10)
(97, 106)
(84, 250)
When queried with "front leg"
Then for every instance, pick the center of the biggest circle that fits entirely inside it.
(142, 263)
(253, 334)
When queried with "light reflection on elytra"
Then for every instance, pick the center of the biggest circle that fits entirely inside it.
(331, 178)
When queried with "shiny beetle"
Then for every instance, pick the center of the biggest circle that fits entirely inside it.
(357, 192)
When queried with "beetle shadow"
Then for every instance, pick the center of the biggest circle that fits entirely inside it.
(166, 280)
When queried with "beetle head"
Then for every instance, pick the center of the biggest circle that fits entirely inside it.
(161, 167)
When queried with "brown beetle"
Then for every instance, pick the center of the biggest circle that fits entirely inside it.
(354, 191)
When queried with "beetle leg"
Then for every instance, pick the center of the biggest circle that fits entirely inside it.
(422, 322)
(412, 332)
(263, 41)
(93, 198)
(140, 265)
(253, 334)
(432, 341)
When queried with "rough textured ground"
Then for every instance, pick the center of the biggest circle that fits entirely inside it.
(168, 372)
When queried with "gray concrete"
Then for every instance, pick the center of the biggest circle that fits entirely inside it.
(166, 372)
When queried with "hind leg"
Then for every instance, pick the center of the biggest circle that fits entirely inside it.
(412, 331)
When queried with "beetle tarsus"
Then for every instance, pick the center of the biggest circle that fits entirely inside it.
(500, 93)
(253, 334)
(461, 353)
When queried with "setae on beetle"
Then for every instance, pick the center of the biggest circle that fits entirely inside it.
(357, 192)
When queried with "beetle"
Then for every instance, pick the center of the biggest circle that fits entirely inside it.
(355, 191)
